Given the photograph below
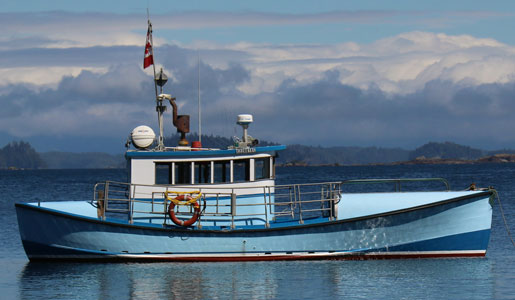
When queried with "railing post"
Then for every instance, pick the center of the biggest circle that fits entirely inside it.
(131, 204)
(202, 197)
(323, 197)
(292, 199)
(233, 208)
(100, 204)
(266, 212)
(217, 203)
(165, 206)
(152, 206)
(331, 202)
(106, 200)
(300, 204)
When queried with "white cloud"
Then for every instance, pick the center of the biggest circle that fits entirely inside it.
(46, 77)
(88, 79)
(400, 64)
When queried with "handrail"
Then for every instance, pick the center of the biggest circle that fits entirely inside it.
(296, 202)
(398, 181)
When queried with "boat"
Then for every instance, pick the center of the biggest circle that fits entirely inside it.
(189, 203)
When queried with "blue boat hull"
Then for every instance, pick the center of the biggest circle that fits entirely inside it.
(458, 227)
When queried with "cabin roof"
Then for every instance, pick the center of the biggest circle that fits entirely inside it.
(202, 153)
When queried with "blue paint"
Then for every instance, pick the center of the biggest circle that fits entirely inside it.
(205, 153)
(400, 231)
(465, 241)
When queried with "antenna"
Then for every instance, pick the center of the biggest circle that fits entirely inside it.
(199, 107)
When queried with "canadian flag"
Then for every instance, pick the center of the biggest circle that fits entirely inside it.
(149, 54)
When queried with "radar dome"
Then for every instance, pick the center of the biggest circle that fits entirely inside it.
(142, 136)
(244, 119)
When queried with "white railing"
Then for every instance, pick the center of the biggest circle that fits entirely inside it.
(273, 203)
(237, 206)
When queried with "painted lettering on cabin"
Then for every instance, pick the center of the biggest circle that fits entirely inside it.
(245, 150)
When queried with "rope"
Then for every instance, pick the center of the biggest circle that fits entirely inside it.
(183, 200)
(503, 217)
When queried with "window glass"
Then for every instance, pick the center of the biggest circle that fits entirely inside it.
(241, 170)
(183, 173)
(262, 168)
(203, 172)
(222, 171)
(163, 173)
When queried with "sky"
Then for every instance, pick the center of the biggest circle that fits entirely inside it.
(331, 73)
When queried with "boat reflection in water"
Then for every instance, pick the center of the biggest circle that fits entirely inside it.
(254, 280)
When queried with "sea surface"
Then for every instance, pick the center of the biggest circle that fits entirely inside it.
(492, 277)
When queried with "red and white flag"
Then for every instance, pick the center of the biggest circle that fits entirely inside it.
(149, 53)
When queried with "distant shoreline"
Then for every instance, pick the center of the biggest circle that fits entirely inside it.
(497, 158)
(20, 155)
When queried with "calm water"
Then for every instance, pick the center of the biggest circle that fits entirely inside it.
(490, 278)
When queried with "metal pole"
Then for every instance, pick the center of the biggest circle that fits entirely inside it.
(159, 105)
(199, 107)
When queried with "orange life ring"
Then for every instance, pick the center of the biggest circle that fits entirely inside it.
(196, 211)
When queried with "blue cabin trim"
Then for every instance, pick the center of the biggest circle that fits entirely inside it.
(202, 153)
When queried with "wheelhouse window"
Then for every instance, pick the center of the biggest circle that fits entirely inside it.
(183, 173)
(222, 171)
(203, 172)
(206, 172)
(262, 168)
(241, 170)
(163, 173)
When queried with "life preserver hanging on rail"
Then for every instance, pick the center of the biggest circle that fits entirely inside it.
(183, 198)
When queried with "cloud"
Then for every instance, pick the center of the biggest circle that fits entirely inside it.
(403, 90)
(109, 103)
(329, 113)
(62, 29)
(400, 64)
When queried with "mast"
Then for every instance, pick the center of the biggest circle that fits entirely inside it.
(160, 108)
(160, 79)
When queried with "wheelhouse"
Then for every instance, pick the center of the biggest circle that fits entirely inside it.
(248, 174)
(203, 168)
